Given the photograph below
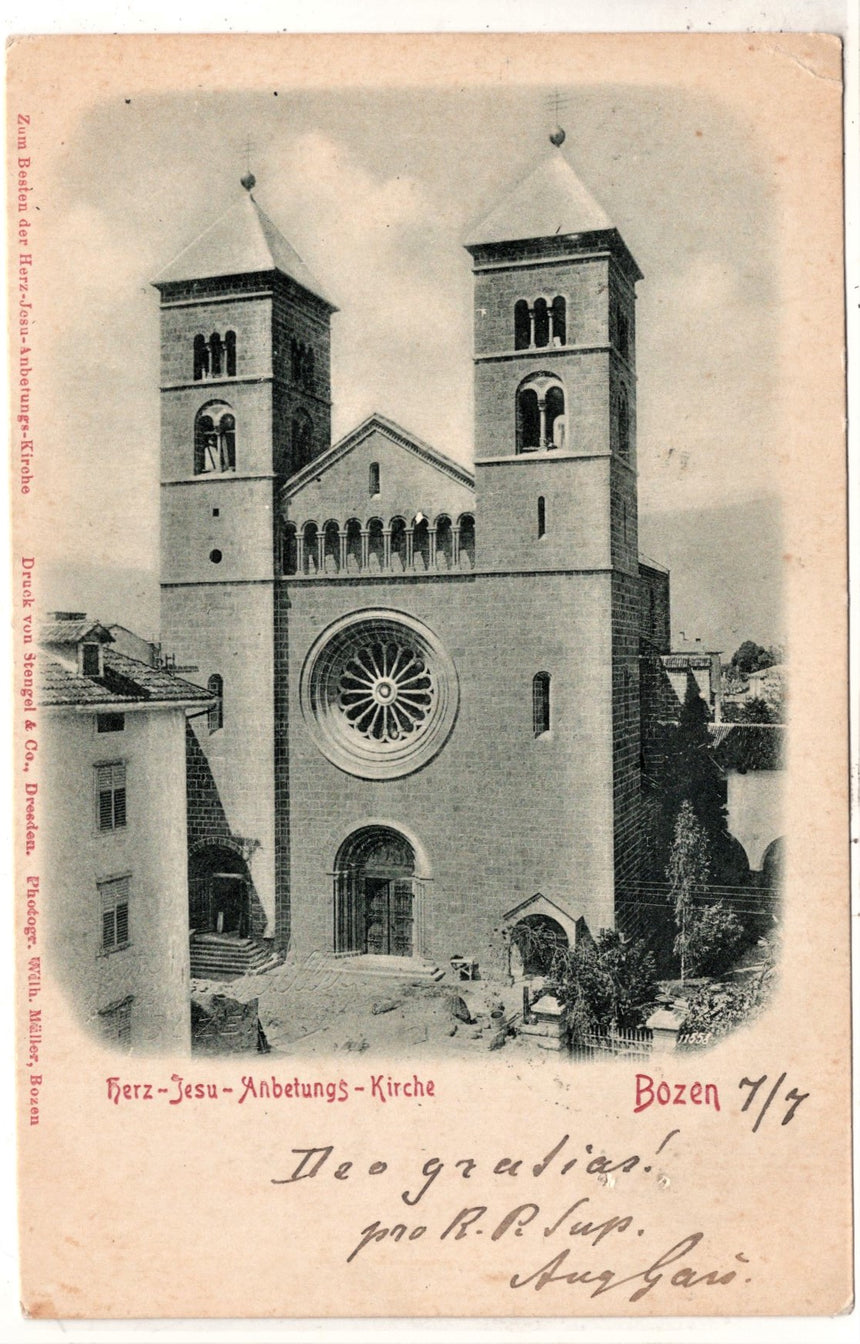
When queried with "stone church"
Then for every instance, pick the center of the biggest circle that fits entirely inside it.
(428, 724)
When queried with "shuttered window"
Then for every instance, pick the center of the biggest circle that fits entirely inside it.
(110, 796)
(113, 900)
(115, 1022)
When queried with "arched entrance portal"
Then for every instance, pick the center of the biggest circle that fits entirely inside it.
(374, 894)
(218, 891)
(535, 942)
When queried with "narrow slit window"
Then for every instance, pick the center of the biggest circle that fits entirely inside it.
(541, 516)
(540, 704)
(373, 483)
(216, 713)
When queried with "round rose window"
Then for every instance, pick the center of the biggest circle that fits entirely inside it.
(379, 694)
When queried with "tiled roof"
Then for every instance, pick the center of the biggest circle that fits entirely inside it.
(72, 632)
(679, 662)
(125, 681)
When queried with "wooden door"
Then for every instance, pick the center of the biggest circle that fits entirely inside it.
(388, 916)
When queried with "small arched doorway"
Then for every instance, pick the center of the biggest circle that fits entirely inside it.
(218, 891)
(535, 942)
(374, 895)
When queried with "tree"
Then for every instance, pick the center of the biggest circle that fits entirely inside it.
(689, 773)
(687, 870)
(715, 936)
(751, 657)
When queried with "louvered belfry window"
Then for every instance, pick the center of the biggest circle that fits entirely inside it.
(110, 796)
(113, 897)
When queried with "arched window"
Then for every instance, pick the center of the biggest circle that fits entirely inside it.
(310, 538)
(541, 323)
(289, 559)
(444, 543)
(216, 712)
(528, 421)
(216, 350)
(375, 544)
(227, 431)
(214, 357)
(623, 424)
(353, 545)
(230, 353)
(555, 423)
(373, 478)
(558, 320)
(398, 543)
(522, 326)
(201, 358)
(467, 541)
(541, 516)
(421, 545)
(541, 420)
(214, 439)
(303, 439)
(540, 704)
(331, 547)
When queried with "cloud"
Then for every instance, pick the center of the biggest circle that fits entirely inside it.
(378, 247)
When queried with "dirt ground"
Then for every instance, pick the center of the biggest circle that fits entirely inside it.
(316, 1009)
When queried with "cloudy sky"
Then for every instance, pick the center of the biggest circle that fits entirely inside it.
(376, 187)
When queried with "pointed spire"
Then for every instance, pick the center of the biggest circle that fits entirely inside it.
(549, 202)
(241, 242)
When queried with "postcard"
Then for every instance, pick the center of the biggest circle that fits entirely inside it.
(429, 581)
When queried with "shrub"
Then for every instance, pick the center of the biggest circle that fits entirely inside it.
(715, 936)
(606, 982)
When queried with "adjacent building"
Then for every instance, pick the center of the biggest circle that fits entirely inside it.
(114, 871)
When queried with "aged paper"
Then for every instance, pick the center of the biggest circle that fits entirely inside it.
(426, 674)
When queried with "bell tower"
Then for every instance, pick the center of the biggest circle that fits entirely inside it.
(245, 402)
(555, 381)
(555, 483)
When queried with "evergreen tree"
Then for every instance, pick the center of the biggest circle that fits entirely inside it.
(690, 774)
(687, 872)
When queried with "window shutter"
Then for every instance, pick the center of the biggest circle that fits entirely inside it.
(114, 897)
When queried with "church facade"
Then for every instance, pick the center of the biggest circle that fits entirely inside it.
(428, 726)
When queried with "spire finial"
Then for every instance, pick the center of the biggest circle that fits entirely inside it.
(248, 180)
(557, 137)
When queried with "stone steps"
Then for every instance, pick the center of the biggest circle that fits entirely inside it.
(214, 957)
(413, 969)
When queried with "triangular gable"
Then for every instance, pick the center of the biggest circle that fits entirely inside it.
(532, 900)
(378, 424)
(73, 632)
